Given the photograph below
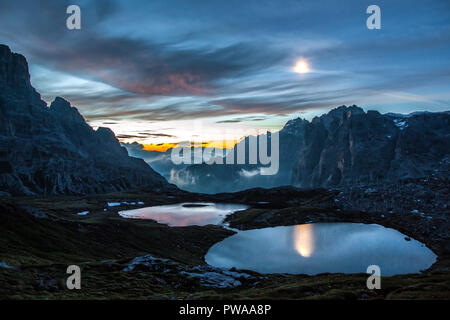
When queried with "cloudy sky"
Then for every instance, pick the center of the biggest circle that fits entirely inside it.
(168, 71)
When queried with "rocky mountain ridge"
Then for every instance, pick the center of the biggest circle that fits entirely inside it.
(348, 146)
(52, 150)
(345, 147)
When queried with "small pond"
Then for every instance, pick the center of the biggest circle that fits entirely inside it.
(320, 248)
(185, 214)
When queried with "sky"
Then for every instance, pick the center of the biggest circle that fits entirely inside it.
(165, 71)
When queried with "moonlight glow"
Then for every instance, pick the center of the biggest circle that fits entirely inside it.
(301, 66)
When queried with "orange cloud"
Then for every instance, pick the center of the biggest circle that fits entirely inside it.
(163, 147)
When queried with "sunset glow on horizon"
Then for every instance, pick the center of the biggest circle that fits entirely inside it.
(151, 70)
(163, 147)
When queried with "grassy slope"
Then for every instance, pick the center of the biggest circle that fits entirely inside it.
(43, 248)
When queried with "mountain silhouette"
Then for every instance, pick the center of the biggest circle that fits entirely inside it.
(52, 150)
(345, 147)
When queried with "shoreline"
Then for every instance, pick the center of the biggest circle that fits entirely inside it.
(108, 243)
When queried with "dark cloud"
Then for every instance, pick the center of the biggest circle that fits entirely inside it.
(156, 135)
(140, 66)
(127, 136)
(160, 114)
(150, 69)
(230, 58)
(242, 119)
(142, 135)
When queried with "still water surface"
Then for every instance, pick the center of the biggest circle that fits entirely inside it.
(185, 214)
(321, 247)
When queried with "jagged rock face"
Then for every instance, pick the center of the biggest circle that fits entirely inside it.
(350, 147)
(52, 150)
(346, 147)
(216, 178)
(15, 80)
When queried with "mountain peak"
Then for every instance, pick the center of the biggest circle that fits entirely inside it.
(78, 160)
(15, 76)
(60, 104)
(4, 50)
(63, 109)
(13, 67)
(293, 125)
(347, 110)
(106, 133)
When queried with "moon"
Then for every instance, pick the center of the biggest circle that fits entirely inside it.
(301, 66)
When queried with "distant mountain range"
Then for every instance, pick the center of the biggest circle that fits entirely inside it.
(52, 150)
(345, 147)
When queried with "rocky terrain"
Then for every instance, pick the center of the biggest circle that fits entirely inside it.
(140, 259)
(348, 147)
(343, 148)
(216, 178)
(52, 150)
